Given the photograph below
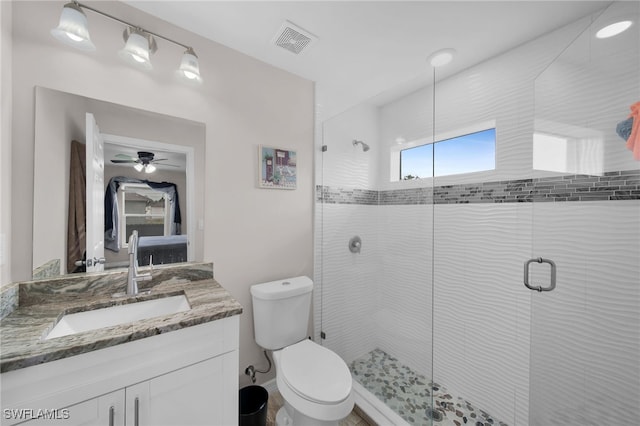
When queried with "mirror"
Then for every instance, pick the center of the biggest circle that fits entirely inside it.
(129, 135)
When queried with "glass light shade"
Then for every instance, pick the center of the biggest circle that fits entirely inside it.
(150, 168)
(136, 50)
(613, 29)
(138, 167)
(189, 67)
(72, 28)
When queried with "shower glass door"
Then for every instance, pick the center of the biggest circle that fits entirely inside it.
(373, 263)
(585, 333)
(420, 273)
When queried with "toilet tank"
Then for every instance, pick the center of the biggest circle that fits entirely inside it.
(281, 311)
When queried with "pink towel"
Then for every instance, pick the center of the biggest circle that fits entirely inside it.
(633, 143)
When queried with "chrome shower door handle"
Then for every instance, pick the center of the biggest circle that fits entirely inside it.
(552, 283)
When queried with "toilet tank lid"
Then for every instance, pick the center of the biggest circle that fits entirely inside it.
(282, 289)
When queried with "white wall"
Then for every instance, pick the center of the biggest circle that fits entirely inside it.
(252, 235)
(5, 140)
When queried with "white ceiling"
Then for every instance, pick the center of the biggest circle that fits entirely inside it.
(365, 48)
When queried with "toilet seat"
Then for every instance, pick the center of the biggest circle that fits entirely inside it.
(315, 373)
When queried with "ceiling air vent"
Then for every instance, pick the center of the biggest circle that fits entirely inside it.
(293, 38)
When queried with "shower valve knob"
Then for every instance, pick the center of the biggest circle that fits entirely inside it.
(355, 244)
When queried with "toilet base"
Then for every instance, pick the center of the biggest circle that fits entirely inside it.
(287, 416)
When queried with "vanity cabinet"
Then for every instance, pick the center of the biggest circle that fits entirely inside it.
(185, 377)
(190, 396)
(96, 411)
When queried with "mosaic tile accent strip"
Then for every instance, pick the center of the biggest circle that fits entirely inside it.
(409, 394)
(618, 185)
(346, 196)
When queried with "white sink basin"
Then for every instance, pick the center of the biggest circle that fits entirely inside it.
(119, 314)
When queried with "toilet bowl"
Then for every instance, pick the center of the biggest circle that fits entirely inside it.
(315, 383)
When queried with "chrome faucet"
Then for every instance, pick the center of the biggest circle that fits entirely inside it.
(133, 277)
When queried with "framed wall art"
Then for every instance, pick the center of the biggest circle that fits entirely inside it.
(278, 169)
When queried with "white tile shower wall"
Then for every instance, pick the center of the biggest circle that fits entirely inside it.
(344, 165)
(500, 89)
(584, 334)
(403, 312)
(346, 282)
(481, 322)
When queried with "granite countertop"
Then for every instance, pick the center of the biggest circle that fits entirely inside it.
(41, 306)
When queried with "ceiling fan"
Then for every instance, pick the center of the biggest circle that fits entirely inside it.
(145, 160)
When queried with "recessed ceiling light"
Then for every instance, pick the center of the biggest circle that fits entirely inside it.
(613, 29)
(441, 57)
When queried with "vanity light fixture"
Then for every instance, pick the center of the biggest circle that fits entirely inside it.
(72, 28)
(613, 29)
(138, 47)
(139, 43)
(189, 67)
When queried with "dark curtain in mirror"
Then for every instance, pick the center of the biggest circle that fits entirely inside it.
(77, 220)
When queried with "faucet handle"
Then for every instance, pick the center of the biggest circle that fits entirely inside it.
(133, 243)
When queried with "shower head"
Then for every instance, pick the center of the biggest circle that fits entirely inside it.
(365, 147)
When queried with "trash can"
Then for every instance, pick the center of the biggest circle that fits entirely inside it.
(253, 406)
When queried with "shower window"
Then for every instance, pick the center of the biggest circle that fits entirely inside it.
(471, 152)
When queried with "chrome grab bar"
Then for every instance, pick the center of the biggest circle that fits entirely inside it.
(552, 284)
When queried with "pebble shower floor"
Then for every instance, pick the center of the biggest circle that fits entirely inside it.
(408, 394)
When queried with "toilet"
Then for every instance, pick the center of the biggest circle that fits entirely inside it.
(314, 381)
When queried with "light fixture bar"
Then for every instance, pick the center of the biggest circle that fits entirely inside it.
(84, 6)
(139, 42)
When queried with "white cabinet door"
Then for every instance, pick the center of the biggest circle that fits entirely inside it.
(201, 394)
(105, 410)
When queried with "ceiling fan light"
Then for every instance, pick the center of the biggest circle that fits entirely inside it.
(150, 168)
(189, 66)
(137, 48)
(72, 28)
(138, 167)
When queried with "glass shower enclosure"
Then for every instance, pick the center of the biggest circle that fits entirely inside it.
(505, 295)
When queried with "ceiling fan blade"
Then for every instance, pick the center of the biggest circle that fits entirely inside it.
(123, 161)
(158, 159)
(126, 156)
(168, 165)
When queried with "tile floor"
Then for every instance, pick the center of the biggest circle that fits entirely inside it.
(356, 418)
(409, 394)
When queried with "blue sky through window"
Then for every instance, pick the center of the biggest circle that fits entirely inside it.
(463, 154)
